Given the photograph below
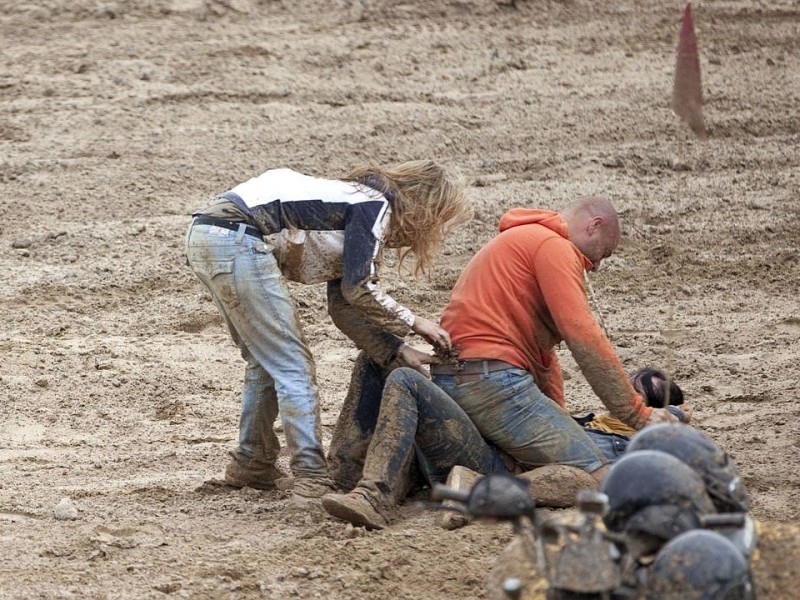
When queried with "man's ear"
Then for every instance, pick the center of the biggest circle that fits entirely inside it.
(594, 224)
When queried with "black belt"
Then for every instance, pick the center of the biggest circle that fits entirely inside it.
(232, 225)
(472, 367)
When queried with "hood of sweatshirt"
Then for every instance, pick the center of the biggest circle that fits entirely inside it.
(547, 218)
(527, 216)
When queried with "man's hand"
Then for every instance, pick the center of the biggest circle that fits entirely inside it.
(661, 415)
(432, 333)
(687, 412)
(415, 359)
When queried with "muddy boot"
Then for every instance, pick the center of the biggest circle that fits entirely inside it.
(251, 473)
(354, 508)
(308, 488)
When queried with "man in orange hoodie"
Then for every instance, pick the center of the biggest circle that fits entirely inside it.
(519, 296)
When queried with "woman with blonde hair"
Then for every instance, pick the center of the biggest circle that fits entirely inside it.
(285, 224)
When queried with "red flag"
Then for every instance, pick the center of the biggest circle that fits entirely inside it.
(687, 92)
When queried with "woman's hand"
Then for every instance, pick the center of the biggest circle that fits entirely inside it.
(415, 359)
(432, 333)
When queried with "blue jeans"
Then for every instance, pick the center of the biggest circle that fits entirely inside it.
(356, 423)
(612, 445)
(246, 284)
(513, 414)
(418, 420)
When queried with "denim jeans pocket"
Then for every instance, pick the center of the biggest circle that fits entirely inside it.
(219, 278)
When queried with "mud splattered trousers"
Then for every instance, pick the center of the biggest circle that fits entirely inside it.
(243, 277)
(356, 423)
(417, 420)
(512, 413)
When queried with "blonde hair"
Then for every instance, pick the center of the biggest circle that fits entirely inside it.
(426, 202)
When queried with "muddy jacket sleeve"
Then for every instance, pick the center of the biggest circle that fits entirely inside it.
(559, 269)
(364, 229)
(382, 346)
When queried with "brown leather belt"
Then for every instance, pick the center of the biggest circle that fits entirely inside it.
(472, 367)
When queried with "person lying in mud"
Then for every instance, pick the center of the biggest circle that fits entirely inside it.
(612, 435)
(421, 428)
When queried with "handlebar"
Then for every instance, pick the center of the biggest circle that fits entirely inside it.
(441, 492)
(724, 520)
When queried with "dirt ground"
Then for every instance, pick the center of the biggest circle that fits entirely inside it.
(119, 386)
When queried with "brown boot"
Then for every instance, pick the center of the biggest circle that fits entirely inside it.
(354, 508)
(252, 473)
(306, 487)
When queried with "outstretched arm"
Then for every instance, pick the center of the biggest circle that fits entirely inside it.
(382, 346)
(560, 274)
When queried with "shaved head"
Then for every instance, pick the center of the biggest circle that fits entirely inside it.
(592, 206)
(593, 227)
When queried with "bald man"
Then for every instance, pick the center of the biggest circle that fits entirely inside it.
(521, 295)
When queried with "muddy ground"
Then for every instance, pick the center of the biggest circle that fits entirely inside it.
(119, 386)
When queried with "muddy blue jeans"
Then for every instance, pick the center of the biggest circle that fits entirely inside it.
(512, 413)
(356, 423)
(243, 277)
(418, 420)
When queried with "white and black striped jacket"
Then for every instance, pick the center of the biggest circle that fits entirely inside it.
(324, 230)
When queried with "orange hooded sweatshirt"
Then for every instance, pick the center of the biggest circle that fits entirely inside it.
(521, 295)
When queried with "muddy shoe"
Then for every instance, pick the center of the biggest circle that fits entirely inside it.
(311, 488)
(355, 509)
(252, 474)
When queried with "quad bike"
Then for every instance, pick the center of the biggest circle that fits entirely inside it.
(573, 556)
